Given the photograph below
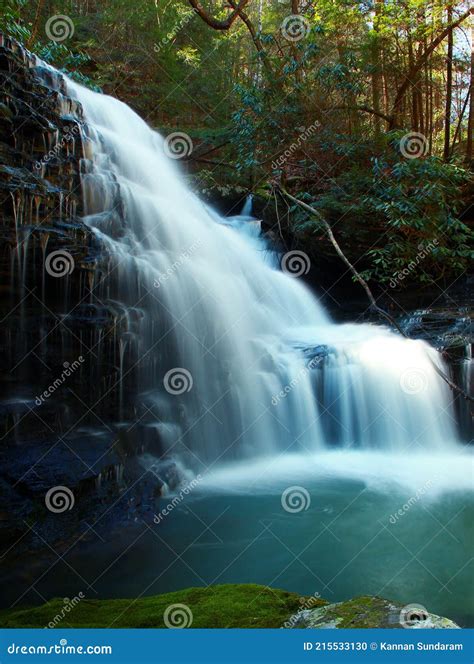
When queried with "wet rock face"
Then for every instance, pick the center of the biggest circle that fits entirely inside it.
(61, 336)
(47, 251)
(450, 330)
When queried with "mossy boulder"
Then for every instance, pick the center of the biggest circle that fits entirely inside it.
(368, 612)
(224, 606)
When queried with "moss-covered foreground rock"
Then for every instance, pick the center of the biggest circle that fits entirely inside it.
(216, 606)
(225, 606)
(368, 612)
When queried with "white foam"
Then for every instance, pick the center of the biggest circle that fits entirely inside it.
(433, 474)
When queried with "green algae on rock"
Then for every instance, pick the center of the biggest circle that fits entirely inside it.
(223, 606)
(367, 612)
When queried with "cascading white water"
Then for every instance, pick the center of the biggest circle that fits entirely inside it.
(263, 367)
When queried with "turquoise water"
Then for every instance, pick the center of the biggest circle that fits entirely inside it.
(350, 540)
(369, 524)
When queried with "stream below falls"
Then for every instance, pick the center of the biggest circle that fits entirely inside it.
(354, 523)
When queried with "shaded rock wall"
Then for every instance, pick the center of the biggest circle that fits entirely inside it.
(64, 372)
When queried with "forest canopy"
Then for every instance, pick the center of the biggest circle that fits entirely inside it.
(363, 110)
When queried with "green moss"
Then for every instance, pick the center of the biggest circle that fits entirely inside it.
(355, 613)
(217, 606)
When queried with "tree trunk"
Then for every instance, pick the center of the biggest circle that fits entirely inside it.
(449, 89)
(376, 73)
(36, 21)
(470, 124)
(412, 73)
(414, 107)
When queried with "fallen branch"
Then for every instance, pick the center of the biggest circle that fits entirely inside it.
(373, 304)
(278, 218)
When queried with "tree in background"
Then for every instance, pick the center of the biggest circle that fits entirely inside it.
(363, 109)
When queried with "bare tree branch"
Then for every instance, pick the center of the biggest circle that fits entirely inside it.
(213, 22)
(364, 109)
(410, 77)
(365, 285)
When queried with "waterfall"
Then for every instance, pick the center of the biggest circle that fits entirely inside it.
(247, 206)
(234, 357)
